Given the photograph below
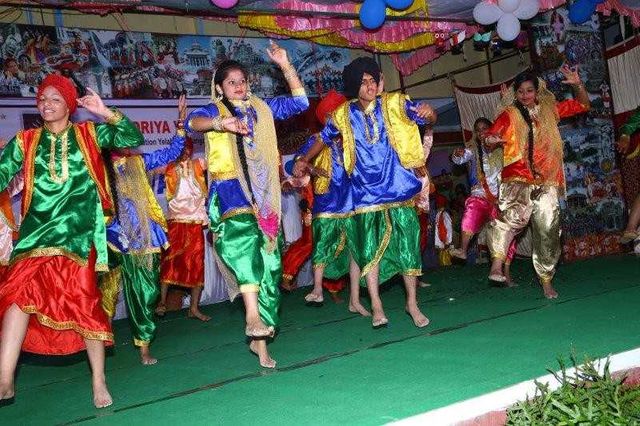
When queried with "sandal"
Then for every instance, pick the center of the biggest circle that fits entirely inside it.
(314, 300)
(628, 236)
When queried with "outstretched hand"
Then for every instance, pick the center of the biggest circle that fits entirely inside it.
(93, 103)
(571, 75)
(277, 54)
(424, 110)
(235, 125)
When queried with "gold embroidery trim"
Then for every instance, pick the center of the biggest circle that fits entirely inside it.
(300, 91)
(287, 277)
(50, 251)
(383, 246)
(249, 288)
(29, 167)
(413, 272)
(386, 206)
(63, 136)
(319, 265)
(181, 284)
(236, 212)
(66, 325)
(225, 175)
(342, 244)
(329, 215)
(139, 343)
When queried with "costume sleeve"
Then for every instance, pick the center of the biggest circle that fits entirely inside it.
(163, 156)
(501, 125)
(10, 162)
(284, 107)
(207, 111)
(569, 108)
(308, 144)
(329, 133)
(120, 133)
(632, 125)
(464, 158)
(410, 108)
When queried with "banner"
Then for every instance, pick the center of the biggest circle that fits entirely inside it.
(594, 210)
(127, 65)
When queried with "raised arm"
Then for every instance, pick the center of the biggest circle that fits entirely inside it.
(117, 131)
(163, 156)
(420, 112)
(286, 106)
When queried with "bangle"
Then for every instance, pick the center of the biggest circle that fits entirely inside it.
(180, 124)
(579, 85)
(181, 132)
(216, 124)
(289, 72)
(115, 117)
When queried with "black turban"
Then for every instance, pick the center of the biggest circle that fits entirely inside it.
(352, 75)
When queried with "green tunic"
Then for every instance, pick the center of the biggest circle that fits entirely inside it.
(65, 215)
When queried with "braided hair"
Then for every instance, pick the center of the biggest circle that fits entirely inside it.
(481, 120)
(524, 111)
(222, 72)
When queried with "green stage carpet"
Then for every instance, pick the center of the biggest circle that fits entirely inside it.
(333, 368)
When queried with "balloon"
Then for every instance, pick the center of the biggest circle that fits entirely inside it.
(399, 4)
(224, 4)
(372, 14)
(486, 13)
(581, 11)
(527, 9)
(508, 6)
(508, 27)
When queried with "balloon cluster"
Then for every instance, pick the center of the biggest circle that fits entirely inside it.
(224, 4)
(373, 12)
(507, 13)
(581, 10)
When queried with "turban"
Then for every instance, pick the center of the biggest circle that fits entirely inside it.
(66, 88)
(328, 104)
(352, 75)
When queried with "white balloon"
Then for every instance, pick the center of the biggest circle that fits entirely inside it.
(508, 27)
(486, 13)
(508, 6)
(527, 9)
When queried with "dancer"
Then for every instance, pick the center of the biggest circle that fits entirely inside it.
(49, 297)
(299, 251)
(183, 263)
(533, 173)
(331, 209)
(485, 167)
(384, 157)
(630, 127)
(8, 224)
(138, 235)
(244, 195)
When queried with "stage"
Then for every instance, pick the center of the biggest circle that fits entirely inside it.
(333, 368)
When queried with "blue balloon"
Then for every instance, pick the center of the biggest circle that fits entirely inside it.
(581, 11)
(372, 14)
(400, 4)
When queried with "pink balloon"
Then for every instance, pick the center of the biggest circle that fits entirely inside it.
(224, 4)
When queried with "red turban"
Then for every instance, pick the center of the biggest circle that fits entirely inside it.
(66, 88)
(328, 104)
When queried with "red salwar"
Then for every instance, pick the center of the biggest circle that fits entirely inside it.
(183, 263)
(64, 300)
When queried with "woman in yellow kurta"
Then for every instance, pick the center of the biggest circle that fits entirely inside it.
(533, 173)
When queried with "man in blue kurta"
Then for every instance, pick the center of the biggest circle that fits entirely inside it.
(383, 155)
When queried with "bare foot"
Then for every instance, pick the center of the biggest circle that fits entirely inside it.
(101, 396)
(161, 310)
(419, 319)
(196, 314)
(335, 296)
(509, 281)
(549, 291)
(7, 391)
(357, 308)
(260, 350)
(256, 328)
(379, 318)
(288, 284)
(145, 356)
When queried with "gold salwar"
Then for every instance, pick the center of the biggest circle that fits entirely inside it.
(518, 208)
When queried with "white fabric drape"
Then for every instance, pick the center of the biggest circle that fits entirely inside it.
(624, 72)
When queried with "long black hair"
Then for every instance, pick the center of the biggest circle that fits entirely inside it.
(524, 111)
(222, 72)
(481, 120)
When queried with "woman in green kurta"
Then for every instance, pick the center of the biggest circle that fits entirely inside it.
(49, 299)
(624, 146)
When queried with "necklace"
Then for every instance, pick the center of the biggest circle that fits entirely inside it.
(371, 139)
(63, 136)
